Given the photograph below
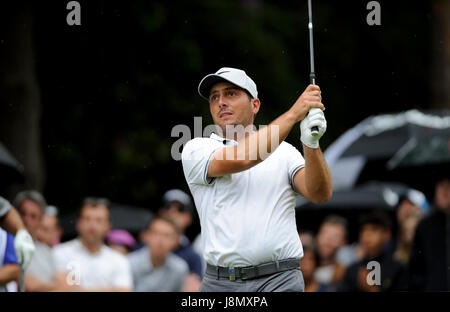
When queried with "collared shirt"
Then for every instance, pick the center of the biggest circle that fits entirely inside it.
(167, 277)
(103, 269)
(248, 217)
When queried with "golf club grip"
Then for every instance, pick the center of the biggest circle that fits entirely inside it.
(315, 129)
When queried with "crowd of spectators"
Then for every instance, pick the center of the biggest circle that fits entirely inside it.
(161, 258)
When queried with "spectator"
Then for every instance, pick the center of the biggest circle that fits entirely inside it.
(308, 265)
(412, 206)
(40, 275)
(307, 238)
(374, 234)
(155, 267)
(331, 236)
(429, 266)
(9, 267)
(86, 263)
(11, 221)
(412, 202)
(49, 231)
(121, 241)
(177, 205)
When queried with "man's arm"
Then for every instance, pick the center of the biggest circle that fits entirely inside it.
(23, 243)
(9, 272)
(61, 280)
(257, 146)
(12, 222)
(314, 180)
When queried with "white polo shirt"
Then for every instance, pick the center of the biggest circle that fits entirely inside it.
(248, 217)
(106, 268)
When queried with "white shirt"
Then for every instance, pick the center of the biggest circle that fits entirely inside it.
(247, 217)
(105, 268)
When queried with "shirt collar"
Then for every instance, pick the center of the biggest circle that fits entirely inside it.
(222, 140)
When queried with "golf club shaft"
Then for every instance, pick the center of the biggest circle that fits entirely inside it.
(22, 280)
(312, 75)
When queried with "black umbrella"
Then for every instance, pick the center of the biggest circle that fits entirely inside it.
(131, 219)
(11, 170)
(422, 152)
(363, 152)
(370, 195)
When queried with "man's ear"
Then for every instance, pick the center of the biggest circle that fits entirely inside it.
(256, 103)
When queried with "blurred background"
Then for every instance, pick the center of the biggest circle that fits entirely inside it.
(88, 110)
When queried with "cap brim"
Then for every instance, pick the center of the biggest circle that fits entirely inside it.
(208, 82)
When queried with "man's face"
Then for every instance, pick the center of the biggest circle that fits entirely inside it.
(442, 195)
(329, 239)
(176, 211)
(49, 232)
(372, 238)
(406, 209)
(93, 224)
(230, 105)
(162, 238)
(31, 214)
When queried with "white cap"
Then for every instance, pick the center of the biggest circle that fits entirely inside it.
(233, 75)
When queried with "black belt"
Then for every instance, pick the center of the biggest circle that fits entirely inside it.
(251, 272)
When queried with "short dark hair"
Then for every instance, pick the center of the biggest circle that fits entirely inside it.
(250, 97)
(377, 218)
(95, 202)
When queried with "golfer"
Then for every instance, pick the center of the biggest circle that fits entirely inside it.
(244, 183)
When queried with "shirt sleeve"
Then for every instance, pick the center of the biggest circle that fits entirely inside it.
(123, 277)
(195, 158)
(10, 252)
(295, 162)
(5, 206)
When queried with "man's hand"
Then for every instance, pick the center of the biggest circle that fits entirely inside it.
(24, 246)
(310, 98)
(315, 118)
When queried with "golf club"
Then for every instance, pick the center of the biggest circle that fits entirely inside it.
(22, 280)
(312, 75)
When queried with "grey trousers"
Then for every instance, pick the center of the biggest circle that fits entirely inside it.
(287, 281)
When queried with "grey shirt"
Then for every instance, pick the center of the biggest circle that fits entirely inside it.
(168, 277)
(42, 265)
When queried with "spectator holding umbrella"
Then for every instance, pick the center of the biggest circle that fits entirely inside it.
(411, 208)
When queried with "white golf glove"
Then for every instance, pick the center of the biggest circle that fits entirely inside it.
(24, 246)
(315, 118)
